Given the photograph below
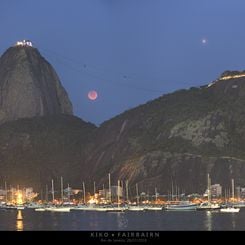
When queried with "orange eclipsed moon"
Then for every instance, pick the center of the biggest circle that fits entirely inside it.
(92, 95)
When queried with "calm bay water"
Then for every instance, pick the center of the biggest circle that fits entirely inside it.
(146, 221)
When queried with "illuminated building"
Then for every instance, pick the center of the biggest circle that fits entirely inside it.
(24, 43)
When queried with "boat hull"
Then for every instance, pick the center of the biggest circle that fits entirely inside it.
(58, 209)
(229, 210)
(190, 207)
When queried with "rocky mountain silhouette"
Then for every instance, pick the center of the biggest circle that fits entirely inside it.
(172, 141)
(29, 86)
(175, 140)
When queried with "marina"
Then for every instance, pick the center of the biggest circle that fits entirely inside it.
(115, 208)
(117, 199)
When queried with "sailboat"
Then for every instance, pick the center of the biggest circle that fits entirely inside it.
(232, 208)
(118, 208)
(154, 207)
(137, 207)
(208, 205)
(57, 208)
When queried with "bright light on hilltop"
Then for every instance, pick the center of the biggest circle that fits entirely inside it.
(24, 43)
(232, 76)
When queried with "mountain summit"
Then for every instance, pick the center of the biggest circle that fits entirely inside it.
(177, 139)
(29, 85)
(170, 143)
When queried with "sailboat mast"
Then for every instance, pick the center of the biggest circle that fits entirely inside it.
(68, 192)
(12, 194)
(238, 194)
(41, 193)
(6, 192)
(46, 193)
(84, 194)
(118, 189)
(209, 189)
(172, 190)
(127, 191)
(121, 184)
(52, 186)
(137, 194)
(232, 189)
(94, 188)
(155, 194)
(109, 176)
(61, 189)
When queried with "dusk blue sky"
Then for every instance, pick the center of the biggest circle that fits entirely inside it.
(130, 51)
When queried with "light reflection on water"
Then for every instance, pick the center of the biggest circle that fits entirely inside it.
(214, 220)
(233, 221)
(208, 221)
(19, 221)
(30, 220)
(122, 221)
(93, 220)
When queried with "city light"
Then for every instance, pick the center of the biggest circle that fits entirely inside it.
(19, 199)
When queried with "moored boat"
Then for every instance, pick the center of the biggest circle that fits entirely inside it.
(230, 210)
(20, 207)
(84, 208)
(115, 209)
(182, 206)
(153, 208)
(40, 209)
(58, 209)
(136, 208)
(208, 206)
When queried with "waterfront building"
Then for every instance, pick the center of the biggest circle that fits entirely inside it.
(216, 191)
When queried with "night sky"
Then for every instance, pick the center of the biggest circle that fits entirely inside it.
(129, 51)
